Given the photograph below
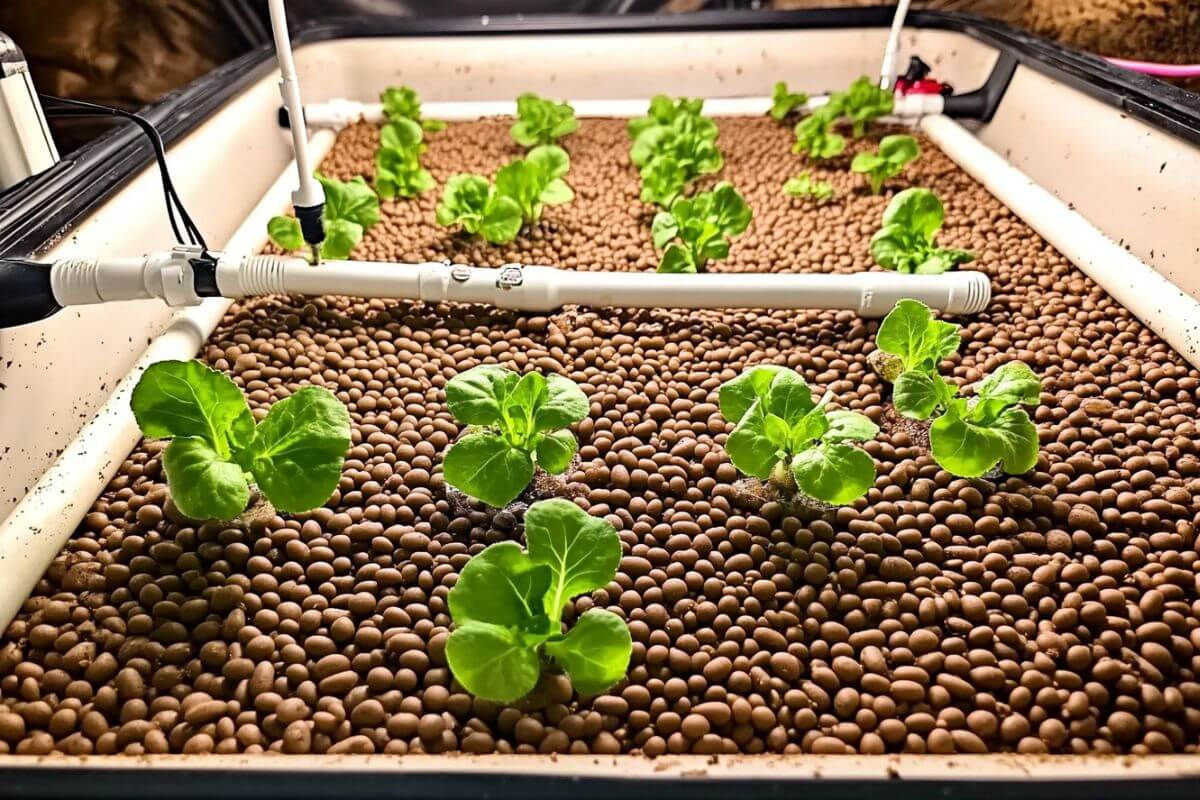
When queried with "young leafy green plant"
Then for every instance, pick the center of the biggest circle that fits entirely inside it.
(906, 242)
(664, 111)
(541, 121)
(351, 208)
(784, 436)
(472, 202)
(508, 602)
(398, 170)
(294, 455)
(672, 147)
(969, 437)
(816, 137)
(401, 102)
(803, 185)
(784, 102)
(703, 224)
(862, 102)
(516, 423)
(894, 154)
(536, 180)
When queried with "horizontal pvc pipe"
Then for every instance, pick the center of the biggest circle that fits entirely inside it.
(48, 515)
(1161, 305)
(540, 288)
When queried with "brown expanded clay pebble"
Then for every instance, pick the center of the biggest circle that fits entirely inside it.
(1056, 612)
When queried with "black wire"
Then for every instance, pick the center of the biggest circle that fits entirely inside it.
(81, 108)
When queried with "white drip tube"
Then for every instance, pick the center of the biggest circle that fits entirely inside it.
(49, 513)
(887, 71)
(309, 193)
(1162, 306)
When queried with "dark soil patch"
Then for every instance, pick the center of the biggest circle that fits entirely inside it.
(1052, 612)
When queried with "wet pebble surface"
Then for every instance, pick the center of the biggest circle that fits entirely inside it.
(1054, 612)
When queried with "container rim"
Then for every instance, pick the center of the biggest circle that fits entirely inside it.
(37, 211)
(583, 777)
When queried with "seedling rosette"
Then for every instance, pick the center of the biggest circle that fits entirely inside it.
(351, 208)
(968, 437)
(541, 121)
(703, 225)
(672, 147)
(807, 187)
(294, 455)
(508, 602)
(894, 154)
(784, 102)
(402, 102)
(515, 425)
(907, 240)
(815, 135)
(785, 437)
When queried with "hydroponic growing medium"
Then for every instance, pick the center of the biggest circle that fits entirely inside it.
(748, 417)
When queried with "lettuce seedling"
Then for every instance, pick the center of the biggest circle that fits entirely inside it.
(473, 202)
(294, 455)
(515, 423)
(541, 121)
(784, 102)
(672, 147)
(816, 137)
(351, 208)
(536, 180)
(508, 602)
(894, 154)
(664, 111)
(862, 102)
(703, 224)
(783, 435)
(398, 171)
(905, 243)
(803, 185)
(969, 437)
(401, 102)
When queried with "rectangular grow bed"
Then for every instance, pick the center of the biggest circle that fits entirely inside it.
(1043, 308)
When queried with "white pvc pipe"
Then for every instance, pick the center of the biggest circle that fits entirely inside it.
(48, 515)
(1164, 308)
(540, 288)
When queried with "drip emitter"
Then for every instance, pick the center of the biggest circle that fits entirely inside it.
(185, 276)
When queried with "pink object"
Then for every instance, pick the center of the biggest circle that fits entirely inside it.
(1158, 70)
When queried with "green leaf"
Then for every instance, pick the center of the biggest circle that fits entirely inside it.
(1019, 441)
(203, 484)
(916, 395)
(476, 397)
(564, 404)
(502, 586)
(186, 398)
(341, 236)
(750, 448)
(401, 134)
(400, 102)
(910, 332)
(849, 426)
(433, 125)
(1013, 383)
(664, 228)
(485, 466)
(595, 653)
(582, 551)
(492, 662)
(285, 233)
(556, 193)
(736, 396)
(964, 448)
(297, 452)
(899, 149)
(352, 200)
(677, 259)
(777, 431)
(814, 135)
(521, 405)
(916, 210)
(555, 451)
(807, 429)
(784, 102)
(862, 102)
(789, 397)
(502, 221)
(550, 160)
(835, 472)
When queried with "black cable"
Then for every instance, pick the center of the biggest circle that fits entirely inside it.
(82, 108)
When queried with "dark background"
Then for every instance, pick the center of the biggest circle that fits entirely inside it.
(129, 53)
